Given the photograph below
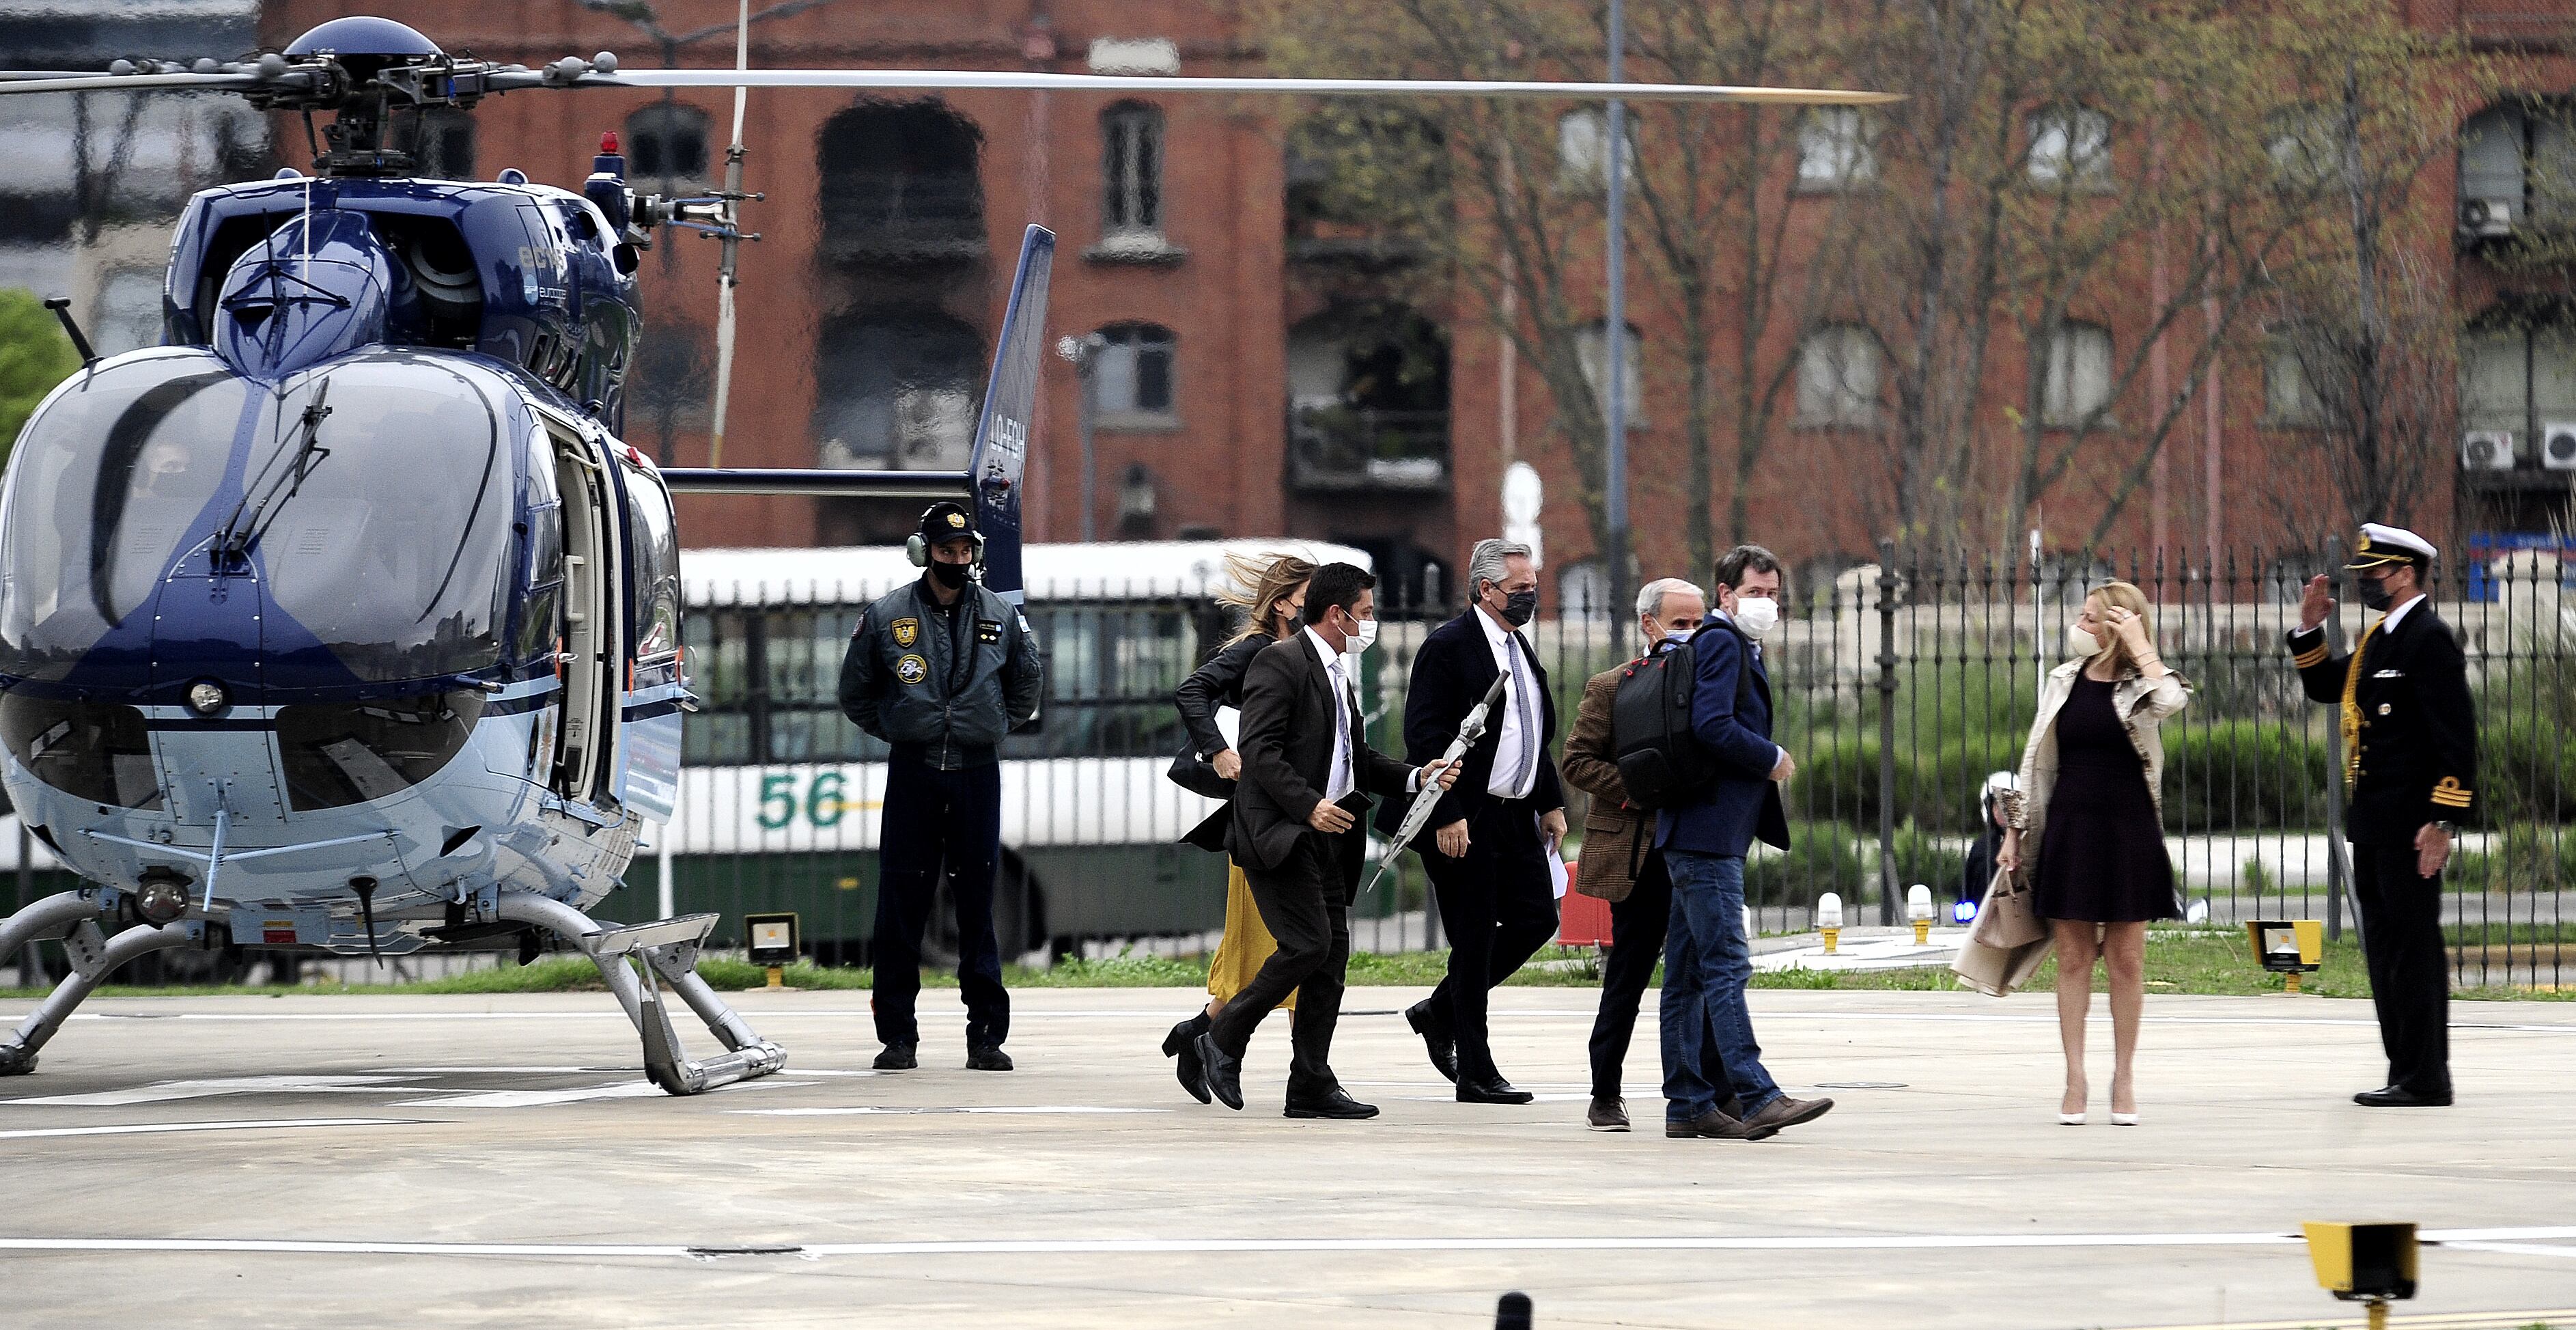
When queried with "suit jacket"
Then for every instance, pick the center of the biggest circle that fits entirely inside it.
(1286, 742)
(2416, 750)
(1451, 673)
(1743, 802)
(1614, 839)
(1218, 683)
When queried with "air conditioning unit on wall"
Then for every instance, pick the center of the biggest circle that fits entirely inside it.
(2558, 444)
(2486, 217)
(2486, 450)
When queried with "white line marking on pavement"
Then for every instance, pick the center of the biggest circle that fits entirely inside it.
(577, 1095)
(157, 1128)
(2513, 1248)
(2486, 1238)
(162, 1092)
(872, 1110)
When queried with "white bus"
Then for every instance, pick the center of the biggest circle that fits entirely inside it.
(780, 794)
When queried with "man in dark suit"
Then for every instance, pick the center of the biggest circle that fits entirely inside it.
(1492, 831)
(1707, 959)
(1307, 772)
(2410, 733)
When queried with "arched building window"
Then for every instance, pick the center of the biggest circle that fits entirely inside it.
(2079, 373)
(896, 389)
(900, 185)
(667, 141)
(1132, 379)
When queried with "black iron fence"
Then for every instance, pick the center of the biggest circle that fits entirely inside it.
(1901, 688)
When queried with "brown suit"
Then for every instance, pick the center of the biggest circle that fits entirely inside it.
(1614, 832)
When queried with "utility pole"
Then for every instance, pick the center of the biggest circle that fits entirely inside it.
(1614, 342)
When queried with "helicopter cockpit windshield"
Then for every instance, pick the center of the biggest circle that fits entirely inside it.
(393, 547)
(373, 494)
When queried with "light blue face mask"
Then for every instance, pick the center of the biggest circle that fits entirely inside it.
(1679, 635)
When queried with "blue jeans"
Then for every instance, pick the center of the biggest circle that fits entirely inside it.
(1707, 963)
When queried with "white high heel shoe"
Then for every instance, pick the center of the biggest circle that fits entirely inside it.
(2124, 1119)
(2073, 1119)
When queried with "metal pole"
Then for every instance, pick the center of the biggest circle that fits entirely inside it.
(1084, 352)
(29, 975)
(1614, 341)
(1887, 733)
(2334, 760)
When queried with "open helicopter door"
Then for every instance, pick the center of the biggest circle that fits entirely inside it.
(991, 482)
(589, 657)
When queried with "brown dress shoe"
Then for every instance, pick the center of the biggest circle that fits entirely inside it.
(1718, 1126)
(1607, 1115)
(1787, 1112)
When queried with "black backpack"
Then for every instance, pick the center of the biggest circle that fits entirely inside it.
(1660, 760)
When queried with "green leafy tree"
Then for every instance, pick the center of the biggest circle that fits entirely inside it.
(34, 356)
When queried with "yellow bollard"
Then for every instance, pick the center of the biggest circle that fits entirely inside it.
(777, 976)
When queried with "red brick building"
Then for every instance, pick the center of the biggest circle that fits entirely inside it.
(1241, 353)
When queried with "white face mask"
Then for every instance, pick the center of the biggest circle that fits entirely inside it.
(1363, 639)
(2080, 642)
(1758, 614)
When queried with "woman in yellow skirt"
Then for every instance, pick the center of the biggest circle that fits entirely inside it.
(1273, 591)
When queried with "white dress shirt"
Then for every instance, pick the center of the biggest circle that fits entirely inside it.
(1338, 778)
(1512, 738)
(2388, 621)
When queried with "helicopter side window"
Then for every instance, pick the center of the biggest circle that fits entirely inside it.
(541, 618)
(107, 482)
(655, 542)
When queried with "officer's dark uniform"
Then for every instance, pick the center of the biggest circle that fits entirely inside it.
(2410, 758)
(942, 684)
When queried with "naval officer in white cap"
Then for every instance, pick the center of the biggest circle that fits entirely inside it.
(2410, 736)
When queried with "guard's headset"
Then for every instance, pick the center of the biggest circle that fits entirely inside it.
(917, 546)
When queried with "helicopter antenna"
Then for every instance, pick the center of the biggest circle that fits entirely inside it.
(732, 233)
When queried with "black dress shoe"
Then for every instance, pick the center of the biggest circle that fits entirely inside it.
(987, 1057)
(1182, 1046)
(896, 1057)
(1443, 1048)
(1607, 1115)
(1491, 1090)
(1224, 1074)
(1338, 1104)
(2398, 1096)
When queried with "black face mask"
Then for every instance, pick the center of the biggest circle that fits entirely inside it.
(950, 575)
(1518, 606)
(2374, 594)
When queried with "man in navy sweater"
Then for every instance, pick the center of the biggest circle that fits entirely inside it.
(1707, 959)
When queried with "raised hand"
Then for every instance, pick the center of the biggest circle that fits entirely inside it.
(2315, 604)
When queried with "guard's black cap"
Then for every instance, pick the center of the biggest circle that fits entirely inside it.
(946, 520)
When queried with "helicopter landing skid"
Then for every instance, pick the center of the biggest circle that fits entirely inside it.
(93, 956)
(636, 961)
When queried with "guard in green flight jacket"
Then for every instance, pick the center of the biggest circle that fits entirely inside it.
(2410, 734)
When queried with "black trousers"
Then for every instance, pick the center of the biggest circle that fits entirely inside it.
(2410, 970)
(1306, 904)
(1637, 926)
(1498, 907)
(938, 822)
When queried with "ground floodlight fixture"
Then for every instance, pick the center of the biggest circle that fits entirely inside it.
(1829, 920)
(2372, 1263)
(1918, 910)
(770, 940)
(2288, 947)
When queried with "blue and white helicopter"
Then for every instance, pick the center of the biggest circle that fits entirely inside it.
(343, 622)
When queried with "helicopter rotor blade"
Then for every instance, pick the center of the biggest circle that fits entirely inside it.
(732, 233)
(50, 82)
(920, 79)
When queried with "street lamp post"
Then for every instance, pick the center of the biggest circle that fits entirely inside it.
(1084, 352)
(1614, 341)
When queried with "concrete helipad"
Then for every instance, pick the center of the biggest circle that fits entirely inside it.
(305, 1161)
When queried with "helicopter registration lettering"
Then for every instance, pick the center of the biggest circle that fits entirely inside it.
(822, 804)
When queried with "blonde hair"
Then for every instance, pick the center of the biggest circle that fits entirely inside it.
(2127, 596)
(1258, 585)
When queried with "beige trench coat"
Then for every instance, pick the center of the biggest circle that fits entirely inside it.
(2142, 706)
